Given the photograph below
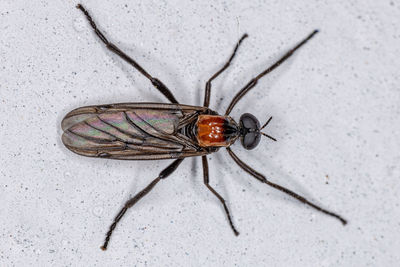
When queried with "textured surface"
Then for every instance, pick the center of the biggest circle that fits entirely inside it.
(336, 117)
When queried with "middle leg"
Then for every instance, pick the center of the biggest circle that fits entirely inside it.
(208, 84)
(206, 182)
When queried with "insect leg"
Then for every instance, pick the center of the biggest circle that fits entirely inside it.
(206, 182)
(254, 81)
(208, 84)
(156, 82)
(163, 174)
(264, 180)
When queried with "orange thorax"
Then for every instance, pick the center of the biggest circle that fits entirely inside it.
(211, 131)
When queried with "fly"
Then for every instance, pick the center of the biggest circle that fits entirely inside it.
(153, 131)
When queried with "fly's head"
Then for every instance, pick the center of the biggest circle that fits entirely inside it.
(250, 131)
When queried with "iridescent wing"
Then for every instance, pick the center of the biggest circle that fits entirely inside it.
(131, 131)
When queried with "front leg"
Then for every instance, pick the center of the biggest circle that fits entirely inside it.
(254, 81)
(264, 180)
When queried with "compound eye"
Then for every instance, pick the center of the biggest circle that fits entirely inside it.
(250, 126)
(250, 140)
(249, 121)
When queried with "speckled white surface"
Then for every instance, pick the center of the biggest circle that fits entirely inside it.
(336, 108)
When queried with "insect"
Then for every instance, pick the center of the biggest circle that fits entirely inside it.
(154, 131)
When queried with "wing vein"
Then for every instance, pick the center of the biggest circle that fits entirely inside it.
(97, 140)
(136, 126)
(119, 129)
(114, 136)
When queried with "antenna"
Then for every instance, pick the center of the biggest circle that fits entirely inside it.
(265, 125)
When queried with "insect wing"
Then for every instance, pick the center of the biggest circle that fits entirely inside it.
(130, 131)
